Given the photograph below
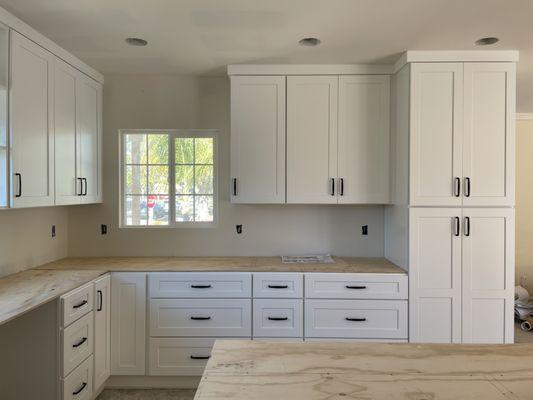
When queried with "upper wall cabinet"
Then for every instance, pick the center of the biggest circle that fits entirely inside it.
(462, 134)
(258, 139)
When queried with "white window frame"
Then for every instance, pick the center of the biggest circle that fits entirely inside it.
(173, 133)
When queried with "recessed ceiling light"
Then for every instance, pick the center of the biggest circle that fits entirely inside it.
(487, 41)
(310, 41)
(132, 41)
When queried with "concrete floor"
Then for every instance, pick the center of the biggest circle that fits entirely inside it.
(147, 394)
(522, 337)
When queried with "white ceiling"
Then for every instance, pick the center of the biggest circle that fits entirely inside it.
(203, 36)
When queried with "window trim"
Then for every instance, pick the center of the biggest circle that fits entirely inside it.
(173, 133)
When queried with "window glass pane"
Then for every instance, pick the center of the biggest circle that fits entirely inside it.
(135, 179)
(203, 208)
(184, 208)
(158, 210)
(203, 179)
(158, 149)
(184, 179)
(203, 151)
(157, 179)
(135, 148)
(184, 150)
(136, 210)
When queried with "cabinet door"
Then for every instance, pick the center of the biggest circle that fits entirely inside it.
(258, 139)
(489, 134)
(102, 331)
(436, 134)
(32, 123)
(128, 325)
(364, 139)
(89, 119)
(488, 275)
(312, 139)
(435, 275)
(67, 186)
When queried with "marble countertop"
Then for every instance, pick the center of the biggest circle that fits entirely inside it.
(243, 370)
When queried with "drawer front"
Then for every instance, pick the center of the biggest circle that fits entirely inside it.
(202, 285)
(173, 356)
(78, 342)
(370, 319)
(278, 318)
(356, 286)
(79, 384)
(278, 285)
(201, 317)
(77, 303)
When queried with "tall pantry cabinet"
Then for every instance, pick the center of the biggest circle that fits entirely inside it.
(459, 136)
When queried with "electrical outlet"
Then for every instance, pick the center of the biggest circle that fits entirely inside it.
(103, 229)
(239, 229)
(364, 230)
(53, 231)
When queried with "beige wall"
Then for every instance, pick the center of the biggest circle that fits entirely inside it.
(25, 237)
(524, 201)
(188, 102)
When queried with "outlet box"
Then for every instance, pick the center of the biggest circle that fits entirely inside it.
(364, 230)
(103, 229)
(53, 231)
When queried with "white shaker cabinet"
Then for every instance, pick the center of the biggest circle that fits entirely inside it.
(258, 139)
(102, 331)
(312, 139)
(31, 123)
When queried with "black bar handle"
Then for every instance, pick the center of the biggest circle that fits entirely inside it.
(355, 319)
(341, 186)
(467, 188)
(83, 386)
(80, 192)
(457, 188)
(278, 318)
(83, 340)
(200, 318)
(200, 357)
(457, 226)
(467, 226)
(332, 188)
(355, 287)
(19, 176)
(80, 304)
(85, 191)
(100, 300)
(200, 286)
(234, 189)
(278, 286)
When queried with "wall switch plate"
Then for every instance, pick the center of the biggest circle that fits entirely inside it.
(53, 231)
(103, 229)
(364, 230)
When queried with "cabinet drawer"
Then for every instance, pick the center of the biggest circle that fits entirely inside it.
(383, 319)
(278, 285)
(201, 317)
(278, 318)
(79, 384)
(173, 356)
(78, 342)
(356, 286)
(77, 303)
(204, 284)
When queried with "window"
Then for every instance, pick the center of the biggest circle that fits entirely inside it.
(168, 178)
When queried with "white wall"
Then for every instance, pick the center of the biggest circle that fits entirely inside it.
(189, 102)
(26, 240)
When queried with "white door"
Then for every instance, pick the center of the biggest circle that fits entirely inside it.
(488, 275)
(489, 134)
(67, 184)
(102, 331)
(89, 119)
(258, 139)
(128, 325)
(312, 139)
(31, 123)
(436, 134)
(363, 144)
(435, 275)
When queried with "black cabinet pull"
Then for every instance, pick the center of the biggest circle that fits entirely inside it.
(355, 319)
(234, 188)
(355, 287)
(100, 300)
(332, 192)
(467, 226)
(341, 186)
(80, 304)
(200, 318)
(200, 286)
(278, 286)
(80, 193)
(278, 318)
(467, 188)
(457, 188)
(83, 386)
(200, 357)
(19, 176)
(85, 191)
(79, 343)
(457, 226)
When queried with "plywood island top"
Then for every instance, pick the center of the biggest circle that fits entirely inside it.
(245, 370)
